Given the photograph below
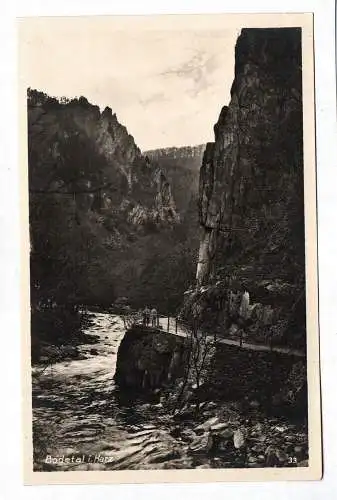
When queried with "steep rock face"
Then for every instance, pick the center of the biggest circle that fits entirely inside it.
(108, 173)
(251, 204)
(251, 182)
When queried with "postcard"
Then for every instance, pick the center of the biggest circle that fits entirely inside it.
(169, 305)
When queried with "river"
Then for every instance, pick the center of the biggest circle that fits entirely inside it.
(79, 422)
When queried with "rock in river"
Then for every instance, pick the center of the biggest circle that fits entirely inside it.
(206, 426)
(239, 439)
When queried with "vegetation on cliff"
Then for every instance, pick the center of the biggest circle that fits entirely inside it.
(103, 218)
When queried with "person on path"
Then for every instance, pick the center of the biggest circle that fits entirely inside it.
(146, 316)
(143, 317)
(154, 317)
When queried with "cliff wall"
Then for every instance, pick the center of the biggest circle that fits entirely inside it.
(251, 202)
(75, 148)
(104, 222)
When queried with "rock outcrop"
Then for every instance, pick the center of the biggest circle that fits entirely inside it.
(274, 380)
(148, 359)
(251, 201)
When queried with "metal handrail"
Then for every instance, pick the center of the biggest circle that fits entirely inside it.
(134, 318)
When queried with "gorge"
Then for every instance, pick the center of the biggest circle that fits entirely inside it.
(221, 249)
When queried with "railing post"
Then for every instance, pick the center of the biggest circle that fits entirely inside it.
(176, 326)
(241, 338)
(168, 324)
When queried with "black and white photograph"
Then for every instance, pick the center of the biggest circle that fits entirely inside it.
(171, 214)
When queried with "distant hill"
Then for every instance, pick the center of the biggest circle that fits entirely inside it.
(181, 166)
(177, 152)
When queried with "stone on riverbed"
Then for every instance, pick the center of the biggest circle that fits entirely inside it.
(164, 456)
(225, 434)
(220, 426)
(239, 439)
(206, 426)
(299, 452)
(187, 435)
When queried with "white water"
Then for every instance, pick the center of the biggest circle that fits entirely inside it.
(79, 421)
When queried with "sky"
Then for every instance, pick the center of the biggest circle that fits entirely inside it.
(167, 85)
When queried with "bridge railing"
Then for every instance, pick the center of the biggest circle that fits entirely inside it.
(174, 325)
(169, 324)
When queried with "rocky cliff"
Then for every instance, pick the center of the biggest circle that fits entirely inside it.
(251, 206)
(92, 155)
(102, 215)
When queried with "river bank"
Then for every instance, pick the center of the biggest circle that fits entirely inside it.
(67, 335)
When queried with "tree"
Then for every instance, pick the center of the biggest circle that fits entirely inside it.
(200, 350)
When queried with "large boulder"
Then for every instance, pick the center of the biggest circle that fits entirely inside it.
(148, 359)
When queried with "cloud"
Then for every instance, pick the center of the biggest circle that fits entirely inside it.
(197, 70)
